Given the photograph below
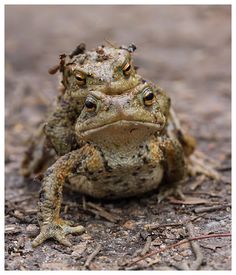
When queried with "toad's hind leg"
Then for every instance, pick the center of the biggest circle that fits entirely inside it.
(38, 156)
(197, 162)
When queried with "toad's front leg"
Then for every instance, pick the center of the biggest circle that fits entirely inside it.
(73, 163)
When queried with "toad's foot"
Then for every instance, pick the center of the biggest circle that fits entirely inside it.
(202, 164)
(175, 189)
(57, 231)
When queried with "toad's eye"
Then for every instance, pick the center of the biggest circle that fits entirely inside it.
(90, 104)
(148, 97)
(127, 69)
(81, 78)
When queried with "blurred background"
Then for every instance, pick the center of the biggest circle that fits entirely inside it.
(185, 49)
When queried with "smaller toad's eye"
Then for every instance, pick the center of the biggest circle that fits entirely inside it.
(90, 104)
(127, 69)
(148, 97)
(81, 78)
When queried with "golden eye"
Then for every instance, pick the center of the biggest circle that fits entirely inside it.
(81, 78)
(148, 97)
(90, 104)
(127, 69)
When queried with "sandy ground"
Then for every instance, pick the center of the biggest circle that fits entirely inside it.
(187, 50)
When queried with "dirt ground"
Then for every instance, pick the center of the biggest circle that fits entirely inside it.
(187, 50)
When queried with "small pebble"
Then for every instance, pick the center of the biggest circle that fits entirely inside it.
(32, 230)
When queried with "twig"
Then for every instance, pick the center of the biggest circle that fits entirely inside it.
(93, 255)
(203, 156)
(146, 246)
(197, 182)
(201, 237)
(84, 203)
(211, 194)
(12, 229)
(224, 168)
(196, 248)
(210, 209)
(196, 218)
(150, 227)
(101, 212)
(17, 214)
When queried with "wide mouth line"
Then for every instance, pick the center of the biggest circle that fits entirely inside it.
(135, 122)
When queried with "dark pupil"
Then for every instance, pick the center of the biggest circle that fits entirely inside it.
(128, 68)
(89, 104)
(149, 96)
(79, 78)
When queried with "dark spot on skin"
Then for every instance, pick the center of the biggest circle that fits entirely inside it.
(38, 178)
(102, 57)
(107, 167)
(41, 195)
(145, 160)
(40, 219)
(74, 169)
(139, 155)
(57, 192)
(48, 172)
(64, 103)
(90, 173)
(65, 158)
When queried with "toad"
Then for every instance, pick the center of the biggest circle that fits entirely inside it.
(114, 135)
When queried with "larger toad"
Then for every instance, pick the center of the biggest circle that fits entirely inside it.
(126, 139)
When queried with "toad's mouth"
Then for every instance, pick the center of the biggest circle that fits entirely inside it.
(121, 127)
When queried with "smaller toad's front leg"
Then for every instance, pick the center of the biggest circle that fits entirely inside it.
(51, 225)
